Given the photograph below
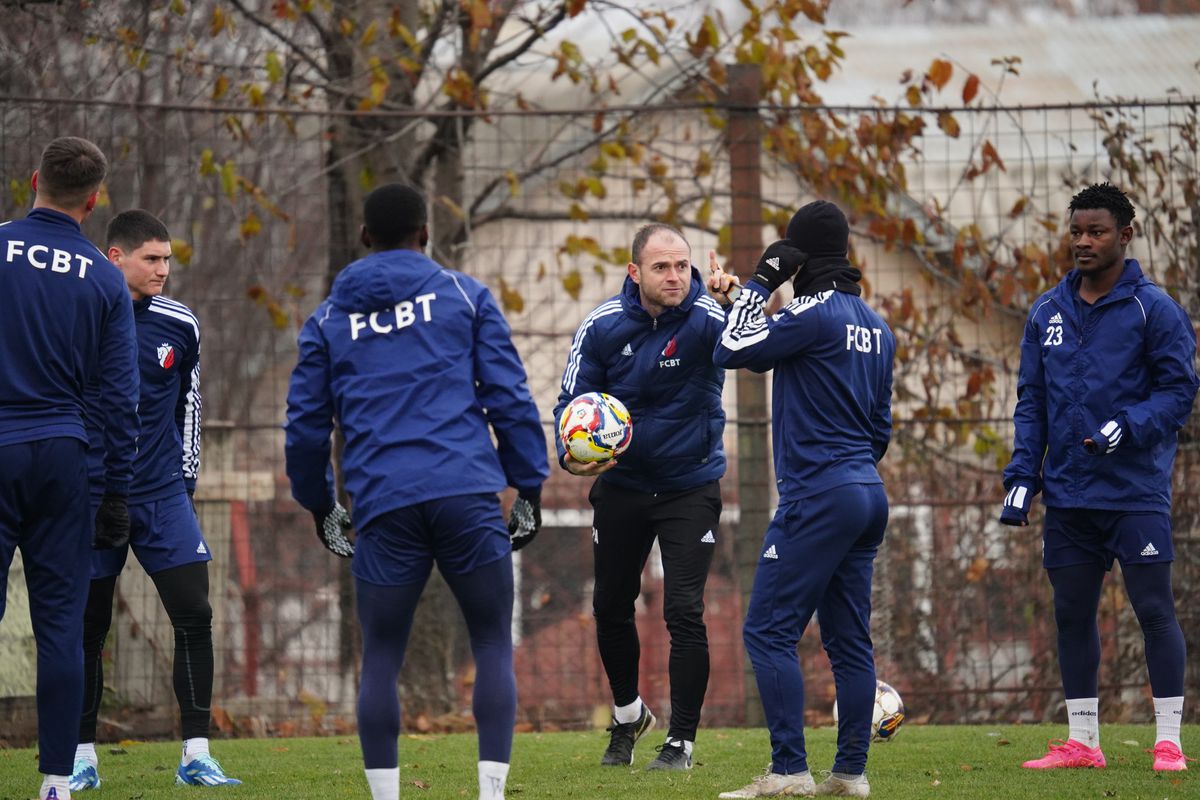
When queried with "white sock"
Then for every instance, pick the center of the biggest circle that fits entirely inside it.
(61, 784)
(492, 776)
(687, 746)
(384, 783)
(1083, 720)
(627, 714)
(1168, 713)
(194, 748)
(87, 751)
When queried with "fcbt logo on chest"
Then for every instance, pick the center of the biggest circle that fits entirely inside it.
(166, 356)
(668, 353)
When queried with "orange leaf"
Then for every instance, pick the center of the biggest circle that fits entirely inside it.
(940, 72)
(970, 89)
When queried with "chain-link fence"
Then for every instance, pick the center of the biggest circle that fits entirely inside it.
(970, 232)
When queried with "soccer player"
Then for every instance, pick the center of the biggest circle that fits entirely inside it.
(831, 422)
(65, 319)
(1107, 379)
(651, 347)
(165, 535)
(416, 362)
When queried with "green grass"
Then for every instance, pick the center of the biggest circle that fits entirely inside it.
(980, 761)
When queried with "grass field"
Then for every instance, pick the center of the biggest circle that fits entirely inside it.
(924, 762)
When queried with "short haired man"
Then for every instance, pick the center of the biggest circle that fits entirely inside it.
(831, 422)
(165, 535)
(65, 320)
(417, 363)
(1107, 379)
(651, 347)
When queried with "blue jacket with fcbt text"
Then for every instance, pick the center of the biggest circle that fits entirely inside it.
(1130, 357)
(415, 362)
(65, 320)
(831, 398)
(661, 369)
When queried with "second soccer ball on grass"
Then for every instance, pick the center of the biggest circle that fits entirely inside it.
(887, 716)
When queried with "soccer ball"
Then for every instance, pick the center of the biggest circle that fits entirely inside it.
(887, 716)
(595, 427)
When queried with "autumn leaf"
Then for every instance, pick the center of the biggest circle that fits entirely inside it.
(251, 226)
(220, 87)
(274, 67)
(913, 95)
(181, 251)
(948, 124)
(511, 299)
(939, 72)
(572, 283)
(970, 89)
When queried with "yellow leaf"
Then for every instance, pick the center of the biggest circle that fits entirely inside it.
(370, 33)
(578, 213)
(514, 183)
(251, 226)
(274, 67)
(366, 178)
(181, 251)
(220, 87)
(218, 21)
(940, 72)
(948, 124)
(704, 213)
(913, 95)
(511, 299)
(572, 282)
(704, 164)
(229, 179)
(20, 192)
(178, 8)
(207, 167)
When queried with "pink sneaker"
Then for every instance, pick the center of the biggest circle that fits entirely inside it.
(1068, 754)
(1169, 758)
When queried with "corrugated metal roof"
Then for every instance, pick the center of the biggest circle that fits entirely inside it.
(1143, 56)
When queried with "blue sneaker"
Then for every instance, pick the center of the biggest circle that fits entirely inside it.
(203, 771)
(84, 776)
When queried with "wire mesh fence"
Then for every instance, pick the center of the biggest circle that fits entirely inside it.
(963, 620)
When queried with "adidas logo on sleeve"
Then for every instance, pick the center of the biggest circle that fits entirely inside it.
(1056, 319)
(770, 553)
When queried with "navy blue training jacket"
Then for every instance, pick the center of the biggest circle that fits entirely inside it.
(65, 320)
(1129, 357)
(831, 397)
(661, 368)
(415, 361)
(168, 458)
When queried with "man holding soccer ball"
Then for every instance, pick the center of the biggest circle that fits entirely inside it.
(831, 422)
(650, 347)
(1107, 380)
(417, 363)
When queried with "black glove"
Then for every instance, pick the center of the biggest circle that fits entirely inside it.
(1015, 511)
(112, 523)
(331, 530)
(1105, 440)
(525, 518)
(778, 263)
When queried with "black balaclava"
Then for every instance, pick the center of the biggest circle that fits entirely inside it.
(820, 229)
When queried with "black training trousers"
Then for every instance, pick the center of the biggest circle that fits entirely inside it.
(624, 527)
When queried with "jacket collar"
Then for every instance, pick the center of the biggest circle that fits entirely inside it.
(53, 217)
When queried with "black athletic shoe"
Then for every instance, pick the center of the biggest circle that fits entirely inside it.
(624, 735)
(671, 756)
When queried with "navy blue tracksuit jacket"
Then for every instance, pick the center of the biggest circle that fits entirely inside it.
(1130, 357)
(415, 361)
(661, 368)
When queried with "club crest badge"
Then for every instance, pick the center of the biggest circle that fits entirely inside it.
(166, 355)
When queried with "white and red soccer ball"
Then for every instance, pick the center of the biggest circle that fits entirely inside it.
(595, 427)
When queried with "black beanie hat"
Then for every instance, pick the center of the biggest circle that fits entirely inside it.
(820, 229)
